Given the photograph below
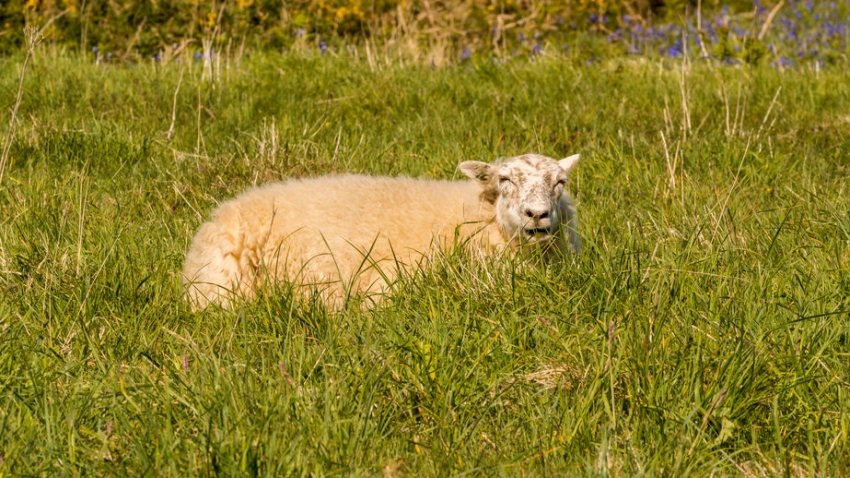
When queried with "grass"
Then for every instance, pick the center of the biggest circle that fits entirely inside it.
(704, 329)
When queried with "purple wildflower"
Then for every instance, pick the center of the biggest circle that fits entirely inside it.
(466, 54)
(323, 47)
(675, 50)
(536, 49)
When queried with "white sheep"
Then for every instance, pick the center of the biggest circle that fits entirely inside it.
(354, 232)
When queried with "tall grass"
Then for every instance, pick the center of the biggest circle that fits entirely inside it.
(703, 330)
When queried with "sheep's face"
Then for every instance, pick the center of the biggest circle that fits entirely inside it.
(527, 192)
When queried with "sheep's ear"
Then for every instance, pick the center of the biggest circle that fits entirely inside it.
(569, 162)
(477, 170)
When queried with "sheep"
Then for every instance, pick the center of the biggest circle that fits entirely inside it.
(354, 233)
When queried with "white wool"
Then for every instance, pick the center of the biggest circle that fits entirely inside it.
(354, 231)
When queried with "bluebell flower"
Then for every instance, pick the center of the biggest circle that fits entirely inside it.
(673, 51)
(157, 57)
(593, 18)
(466, 54)
(783, 61)
(828, 27)
(198, 56)
(809, 5)
(95, 49)
(300, 33)
(323, 47)
(536, 49)
(521, 37)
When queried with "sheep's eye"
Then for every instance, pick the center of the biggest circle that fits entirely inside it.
(505, 180)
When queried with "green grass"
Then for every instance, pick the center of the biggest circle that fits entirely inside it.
(703, 330)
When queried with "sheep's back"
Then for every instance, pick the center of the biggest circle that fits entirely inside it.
(315, 229)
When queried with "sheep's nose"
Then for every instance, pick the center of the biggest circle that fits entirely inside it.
(537, 214)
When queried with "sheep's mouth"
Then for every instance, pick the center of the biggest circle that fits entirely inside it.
(538, 233)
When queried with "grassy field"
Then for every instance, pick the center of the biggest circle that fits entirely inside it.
(704, 329)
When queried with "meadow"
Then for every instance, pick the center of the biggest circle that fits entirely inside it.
(703, 330)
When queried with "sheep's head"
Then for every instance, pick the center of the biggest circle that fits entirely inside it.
(528, 193)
